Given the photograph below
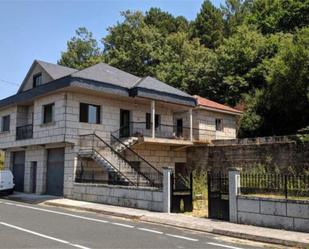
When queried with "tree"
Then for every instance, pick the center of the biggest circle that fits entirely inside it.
(234, 13)
(283, 105)
(272, 16)
(208, 26)
(82, 51)
(165, 22)
(133, 46)
(242, 64)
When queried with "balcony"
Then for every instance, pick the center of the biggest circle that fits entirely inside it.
(24, 132)
(163, 133)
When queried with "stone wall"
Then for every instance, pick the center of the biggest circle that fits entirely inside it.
(283, 155)
(142, 198)
(274, 213)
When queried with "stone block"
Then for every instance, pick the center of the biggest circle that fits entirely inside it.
(279, 222)
(301, 225)
(273, 208)
(246, 205)
(298, 210)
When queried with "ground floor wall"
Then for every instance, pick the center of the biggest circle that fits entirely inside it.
(142, 198)
(38, 155)
(274, 213)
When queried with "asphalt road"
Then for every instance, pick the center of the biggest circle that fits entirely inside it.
(35, 226)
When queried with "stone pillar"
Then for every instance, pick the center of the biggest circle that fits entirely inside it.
(167, 189)
(234, 184)
(191, 124)
(153, 118)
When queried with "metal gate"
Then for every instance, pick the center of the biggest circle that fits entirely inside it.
(218, 196)
(181, 194)
(55, 172)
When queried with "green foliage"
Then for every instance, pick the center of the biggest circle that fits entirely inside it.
(82, 51)
(209, 25)
(248, 52)
(272, 16)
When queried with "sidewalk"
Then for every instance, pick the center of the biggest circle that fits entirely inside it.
(261, 234)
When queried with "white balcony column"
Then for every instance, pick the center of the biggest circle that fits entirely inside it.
(191, 124)
(153, 118)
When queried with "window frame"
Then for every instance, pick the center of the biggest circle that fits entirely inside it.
(221, 128)
(44, 121)
(148, 120)
(2, 123)
(34, 77)
(85, 118)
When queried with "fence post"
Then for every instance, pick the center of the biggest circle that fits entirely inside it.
(234, 184)
(167, 172)
(286, 186)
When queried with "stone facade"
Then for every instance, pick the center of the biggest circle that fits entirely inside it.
(284, 155)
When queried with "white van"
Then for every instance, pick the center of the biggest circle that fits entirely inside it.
(6, 182)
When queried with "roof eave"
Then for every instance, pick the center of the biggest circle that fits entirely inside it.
(162, 96)
(220, 110)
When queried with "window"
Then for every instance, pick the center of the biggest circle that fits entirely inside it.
(89, 113)
(48, 113)
(5, 125)
(148, 120)
(219, 124)
(37, 80)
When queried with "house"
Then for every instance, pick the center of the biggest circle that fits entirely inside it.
(66, 127)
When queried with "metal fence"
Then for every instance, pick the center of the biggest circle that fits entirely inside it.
(276, 185)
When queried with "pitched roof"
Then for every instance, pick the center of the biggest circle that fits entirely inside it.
(105, 78)
(214, 105)
(55, 71)
(157, 85)
(105, 73)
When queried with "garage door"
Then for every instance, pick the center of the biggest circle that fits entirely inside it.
(19, 170)
(55, 172)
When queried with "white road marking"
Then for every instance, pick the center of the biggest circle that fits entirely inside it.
(60, 213)
(149, 230)
(181, 237)
(122, 225)
(222, 245)
(43, 235)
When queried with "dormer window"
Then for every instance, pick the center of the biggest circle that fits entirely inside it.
(37, 80)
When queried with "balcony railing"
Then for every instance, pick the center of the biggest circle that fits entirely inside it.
(142, 129)
(24, 132)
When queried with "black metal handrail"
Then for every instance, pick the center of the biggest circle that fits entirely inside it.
(142, 129)
(159, 176)
(287, 186)
(24, 132)
(146, 176)
(115, 168)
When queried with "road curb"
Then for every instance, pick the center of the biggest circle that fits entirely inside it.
(155, 220)
(122, 215)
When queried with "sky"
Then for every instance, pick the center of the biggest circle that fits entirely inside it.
(39, 29)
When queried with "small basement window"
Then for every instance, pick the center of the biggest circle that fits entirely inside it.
(37, 80)
(5, 124)
(219, 124)
(148, 120)
(89, 113)
(48, 113)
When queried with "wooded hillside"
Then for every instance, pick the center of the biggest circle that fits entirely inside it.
(250, 54)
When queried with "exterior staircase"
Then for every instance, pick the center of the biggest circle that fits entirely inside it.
(110, 159)
(124, 144)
